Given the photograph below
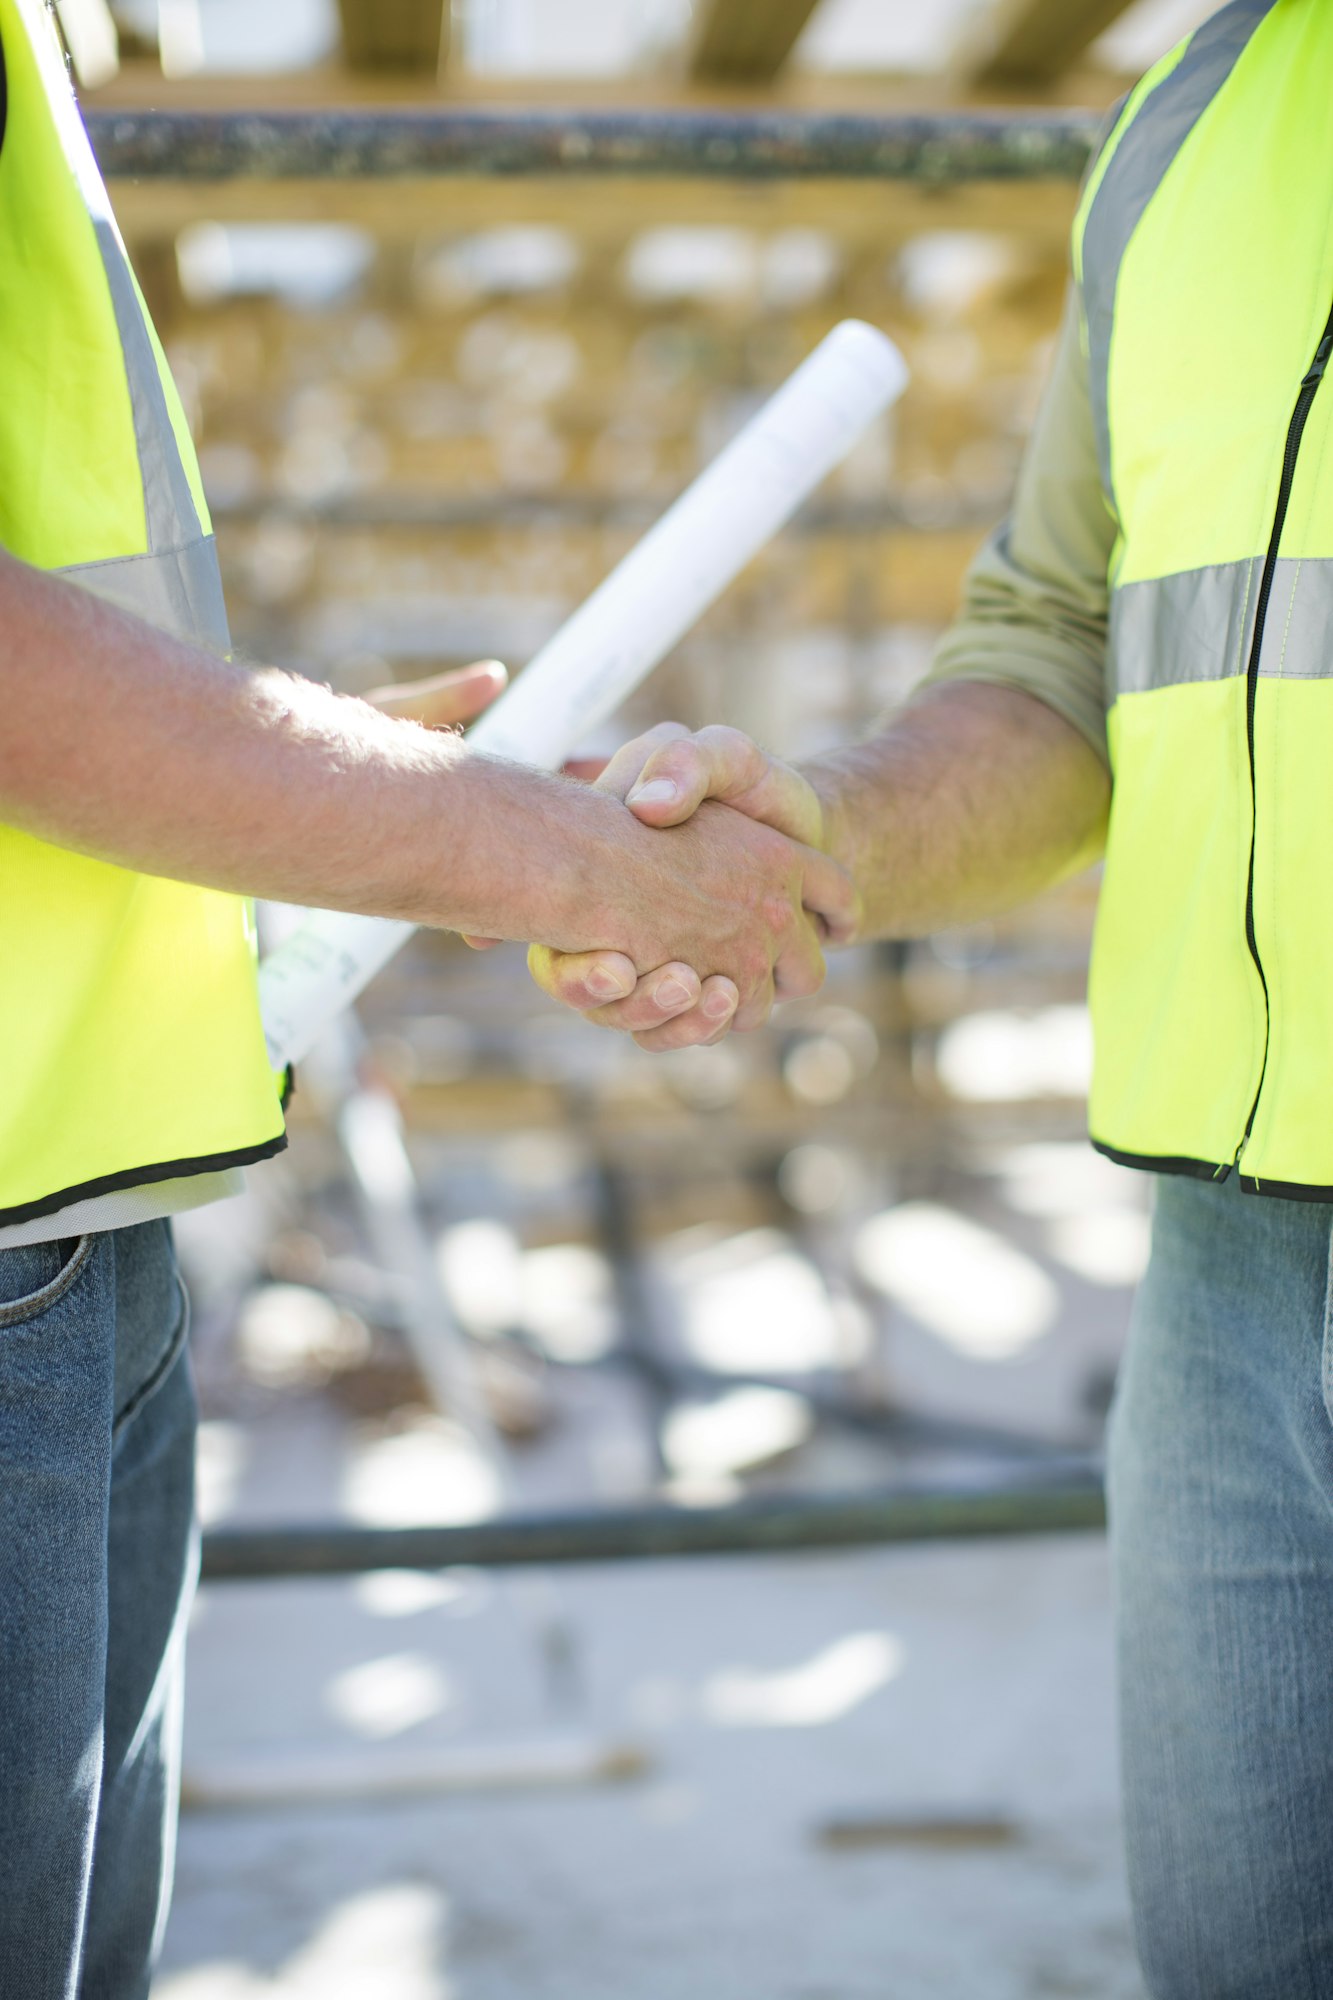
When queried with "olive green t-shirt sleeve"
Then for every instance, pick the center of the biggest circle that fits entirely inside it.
(1034, 608)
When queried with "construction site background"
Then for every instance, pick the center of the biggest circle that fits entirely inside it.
(866, 1249)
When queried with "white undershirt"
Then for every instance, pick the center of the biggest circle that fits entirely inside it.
(124, 1208)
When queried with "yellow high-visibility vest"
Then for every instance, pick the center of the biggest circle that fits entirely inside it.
(1203, 248)
(131, 1049)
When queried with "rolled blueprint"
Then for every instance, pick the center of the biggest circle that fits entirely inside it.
(631, 621)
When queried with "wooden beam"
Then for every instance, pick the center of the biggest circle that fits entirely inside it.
(140, 86)
(411, 35)
(747, 40)
(140, 57)
(884, 213)
(1030, 42)
(421, 172)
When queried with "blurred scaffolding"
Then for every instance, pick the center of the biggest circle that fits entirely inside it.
(511, 1265)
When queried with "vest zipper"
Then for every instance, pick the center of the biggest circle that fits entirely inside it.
(1310, 381)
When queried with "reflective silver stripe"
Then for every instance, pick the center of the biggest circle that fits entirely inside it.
(175, 586)
(1136, 170)
(173, 522)
(1198, 625)
(177, 590)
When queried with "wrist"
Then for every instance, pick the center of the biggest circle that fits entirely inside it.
(549, 861)
(840, 824)
(603, 882)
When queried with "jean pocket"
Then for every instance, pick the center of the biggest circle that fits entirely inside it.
(34, 1277)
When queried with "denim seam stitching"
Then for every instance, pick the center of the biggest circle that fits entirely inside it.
(1326, 1357)
(16, 1311)
(175, 1348)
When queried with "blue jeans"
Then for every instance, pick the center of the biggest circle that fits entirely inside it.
(1221, 1494)
(97, 1560)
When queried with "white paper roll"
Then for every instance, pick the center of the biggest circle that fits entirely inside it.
(631, 621)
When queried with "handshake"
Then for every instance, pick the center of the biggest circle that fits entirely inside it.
(688, 889)
(748, 894)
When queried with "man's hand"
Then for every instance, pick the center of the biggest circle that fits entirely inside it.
(724, 895)
(443, 701)
(664, 776)
(732, 892)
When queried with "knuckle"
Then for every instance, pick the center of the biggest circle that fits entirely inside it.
(744, 755)
(731, 742)
(662, 740)
(774, 850)
(755, 970)
(685, 761)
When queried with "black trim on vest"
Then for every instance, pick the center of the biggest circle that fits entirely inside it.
(1286, 1190)
(1291, 452)
(4, 95)
(137, 1177)
(1202, 1170)
(1165, 1163)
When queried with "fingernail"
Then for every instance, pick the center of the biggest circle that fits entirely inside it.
(605, 985)
(661, 792)
(671, 993)
(718, 1005)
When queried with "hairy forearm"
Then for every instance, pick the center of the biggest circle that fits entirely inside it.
(123, 744)
(128, 747)
(972, 799)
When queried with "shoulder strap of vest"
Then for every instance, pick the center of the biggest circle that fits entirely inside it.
(1158, 118)
(59, 243)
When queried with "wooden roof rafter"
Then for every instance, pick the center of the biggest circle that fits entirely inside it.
(746, 41)
(1027, 43)
(404, 35)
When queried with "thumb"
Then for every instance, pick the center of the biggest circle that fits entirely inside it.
(721, 763)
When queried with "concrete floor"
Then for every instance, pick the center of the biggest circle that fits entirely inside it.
(772, 1697)
(766, 1697)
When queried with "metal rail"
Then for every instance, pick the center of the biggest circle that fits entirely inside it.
(754, 1527)
(934, 149)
